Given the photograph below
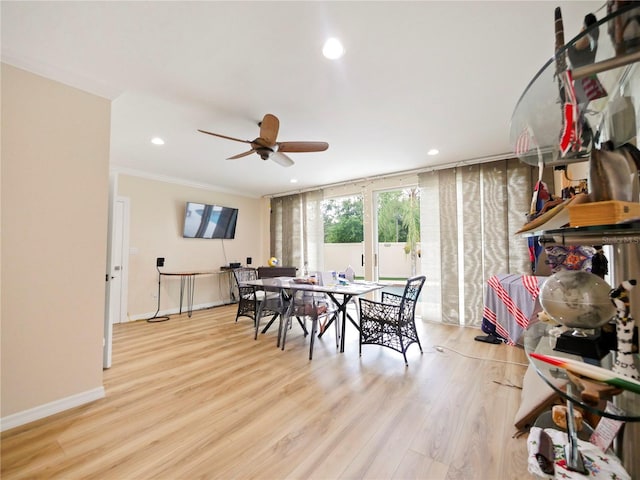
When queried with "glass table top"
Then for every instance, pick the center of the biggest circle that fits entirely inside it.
(536, 123)
(538, 339)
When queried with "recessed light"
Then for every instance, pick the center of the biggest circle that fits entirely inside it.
(157, 141)
(293, 180)
(433, 151)
(333, 49)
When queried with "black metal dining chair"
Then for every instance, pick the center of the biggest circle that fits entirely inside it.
(391, 322)
(253, 302)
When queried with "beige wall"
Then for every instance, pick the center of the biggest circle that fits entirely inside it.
(156, 219)
(55, 154)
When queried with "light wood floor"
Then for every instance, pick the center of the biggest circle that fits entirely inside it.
(199, 398)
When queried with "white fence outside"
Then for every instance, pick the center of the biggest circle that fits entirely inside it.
(392, 261)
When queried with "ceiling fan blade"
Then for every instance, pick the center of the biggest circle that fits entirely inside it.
(269, 129)
(281, 159)
(240, 155)
(302, 146)
(224, 136)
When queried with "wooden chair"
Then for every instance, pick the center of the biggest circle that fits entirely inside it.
(391, 322)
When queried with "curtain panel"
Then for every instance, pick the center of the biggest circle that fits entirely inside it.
(469, 216)
(297, 230)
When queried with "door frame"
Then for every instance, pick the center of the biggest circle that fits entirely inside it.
(111, 316)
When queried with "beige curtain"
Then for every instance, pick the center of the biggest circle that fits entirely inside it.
(297, 230)
(469, 216)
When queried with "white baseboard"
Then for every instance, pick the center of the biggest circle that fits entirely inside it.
(175, 311)
(51, 408)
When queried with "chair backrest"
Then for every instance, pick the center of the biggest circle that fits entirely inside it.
(271, 272)
(245, 274)
(310, 303)
(410, 296)
(327, 278)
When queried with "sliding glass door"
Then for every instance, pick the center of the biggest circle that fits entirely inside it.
(397, 234)
(343, 234)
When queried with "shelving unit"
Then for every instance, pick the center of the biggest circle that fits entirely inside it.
(536, 129)
(624, 264)
(539, 340)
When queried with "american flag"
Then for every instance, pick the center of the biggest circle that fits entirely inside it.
(593, 89)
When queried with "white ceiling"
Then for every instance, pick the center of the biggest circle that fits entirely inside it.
(415, 76)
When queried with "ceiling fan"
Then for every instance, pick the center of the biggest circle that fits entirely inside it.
(268, 148)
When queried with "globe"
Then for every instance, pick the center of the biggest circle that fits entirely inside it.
(273, 262)
(577, 299)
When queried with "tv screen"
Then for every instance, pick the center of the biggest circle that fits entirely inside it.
(209, 221)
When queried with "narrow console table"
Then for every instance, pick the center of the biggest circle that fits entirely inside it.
(187, 288)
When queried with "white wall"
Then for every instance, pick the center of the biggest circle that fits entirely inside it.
(156, 221)
(55, 175)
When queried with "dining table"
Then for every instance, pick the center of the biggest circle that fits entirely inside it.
(340, 293)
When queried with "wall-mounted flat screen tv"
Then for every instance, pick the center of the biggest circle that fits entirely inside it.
(209, 221)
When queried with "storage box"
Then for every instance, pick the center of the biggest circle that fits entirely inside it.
(602, 213)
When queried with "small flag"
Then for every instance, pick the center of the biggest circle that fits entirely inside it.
(523, 143)
(592, 87)
(568, 137)
(571, 137)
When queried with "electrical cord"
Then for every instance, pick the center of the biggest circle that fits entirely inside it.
(156, 318)
(224, 252)
(442, 348)
(508, 384)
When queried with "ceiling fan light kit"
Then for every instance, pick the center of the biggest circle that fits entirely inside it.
(268, 148)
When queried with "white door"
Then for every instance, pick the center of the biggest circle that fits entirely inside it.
(118, 271)
(119, 264)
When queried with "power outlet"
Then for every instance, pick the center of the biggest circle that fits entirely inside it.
(160, 262)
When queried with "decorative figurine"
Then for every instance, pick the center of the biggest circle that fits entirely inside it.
(273, 262)
(624, 363)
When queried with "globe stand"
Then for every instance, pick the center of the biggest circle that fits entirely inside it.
(579, 332)
(584, 344)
